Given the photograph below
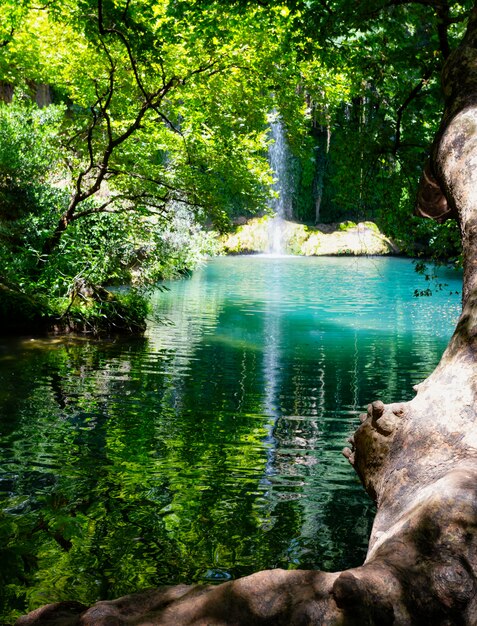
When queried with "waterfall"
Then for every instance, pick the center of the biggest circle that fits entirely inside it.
(281, 205)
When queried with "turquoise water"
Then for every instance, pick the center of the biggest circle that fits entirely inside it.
(210, 448)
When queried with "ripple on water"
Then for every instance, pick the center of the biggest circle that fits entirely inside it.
(211, 448)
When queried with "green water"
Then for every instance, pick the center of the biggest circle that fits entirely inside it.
(209, 449)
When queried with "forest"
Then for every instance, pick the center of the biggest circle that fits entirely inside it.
(136, 135)
(133, 133)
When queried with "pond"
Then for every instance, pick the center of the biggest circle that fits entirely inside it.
(210, 448)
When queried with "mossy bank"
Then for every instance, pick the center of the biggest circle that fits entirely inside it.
(96, 312)
(345, 238)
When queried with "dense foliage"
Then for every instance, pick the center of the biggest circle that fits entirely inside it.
(152, 127)
(371, 74)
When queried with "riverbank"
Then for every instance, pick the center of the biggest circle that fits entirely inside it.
(95, 311)
(345, 238)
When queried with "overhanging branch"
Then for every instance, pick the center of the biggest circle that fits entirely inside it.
(410, 97)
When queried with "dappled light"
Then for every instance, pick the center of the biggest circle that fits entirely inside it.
(173, 410)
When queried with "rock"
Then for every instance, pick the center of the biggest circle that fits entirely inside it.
(346, 238)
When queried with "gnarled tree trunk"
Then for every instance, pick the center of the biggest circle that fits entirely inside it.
(417, 459)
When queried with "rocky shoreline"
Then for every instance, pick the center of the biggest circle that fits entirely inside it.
(345, 238)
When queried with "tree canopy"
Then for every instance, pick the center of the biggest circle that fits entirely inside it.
(130, 128)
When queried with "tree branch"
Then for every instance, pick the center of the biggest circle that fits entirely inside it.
(400, 112)
(44, 7)
(150, 201)
(444, 19)
(126, 9)
(151, 101)
(115, 31)
(148, 179)
(5, 42)
(443, 15)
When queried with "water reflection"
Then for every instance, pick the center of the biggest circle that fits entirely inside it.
(209, 449)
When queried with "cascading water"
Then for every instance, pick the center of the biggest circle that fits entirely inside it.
(281, 204)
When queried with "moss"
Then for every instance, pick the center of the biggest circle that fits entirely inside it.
(341, 239)
(251, 237)
(347, 225)
(255, 237)
(103, 313)
(371, 226)
(295, 237)
(312, 246)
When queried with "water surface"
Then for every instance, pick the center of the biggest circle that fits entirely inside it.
(210, 448)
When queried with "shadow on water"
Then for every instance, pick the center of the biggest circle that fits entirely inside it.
(209, 449)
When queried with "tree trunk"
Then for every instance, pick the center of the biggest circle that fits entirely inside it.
(322, 161)
(417, 459)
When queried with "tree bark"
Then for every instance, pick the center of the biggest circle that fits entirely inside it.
(417, 459)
